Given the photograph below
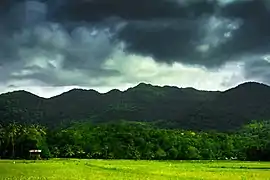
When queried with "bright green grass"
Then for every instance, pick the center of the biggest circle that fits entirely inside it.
(139, 170)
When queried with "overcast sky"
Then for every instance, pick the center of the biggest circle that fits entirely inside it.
(51, 46)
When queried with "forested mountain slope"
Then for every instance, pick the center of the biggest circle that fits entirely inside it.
(165, 106)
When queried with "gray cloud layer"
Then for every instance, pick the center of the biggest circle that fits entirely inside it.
(43, 35)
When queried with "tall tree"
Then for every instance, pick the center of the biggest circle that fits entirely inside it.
(13, 130)
(2, 137)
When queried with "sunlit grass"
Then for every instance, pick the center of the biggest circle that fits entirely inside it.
(60, 169)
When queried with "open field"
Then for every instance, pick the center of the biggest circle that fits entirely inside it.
(59, 169)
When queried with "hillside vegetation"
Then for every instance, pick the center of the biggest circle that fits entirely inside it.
(167, 107)
(134, 140)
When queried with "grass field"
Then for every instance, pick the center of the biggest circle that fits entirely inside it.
(59, 169)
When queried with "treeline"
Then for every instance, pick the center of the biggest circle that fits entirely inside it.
(127, 140)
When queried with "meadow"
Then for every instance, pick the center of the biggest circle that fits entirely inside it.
(75, 169)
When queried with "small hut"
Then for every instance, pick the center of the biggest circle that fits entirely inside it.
(35, 154)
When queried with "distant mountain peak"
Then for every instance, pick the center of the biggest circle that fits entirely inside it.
(140, 86)
(19, 93)
(76, 92)
(143, 85)
(252, 84)
(248, 86)
(113, 91)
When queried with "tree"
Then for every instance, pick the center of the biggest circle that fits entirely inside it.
(160, 154)
(68, 151)
(13, 130)
(2, 137)
(173, 153)
(135, 141)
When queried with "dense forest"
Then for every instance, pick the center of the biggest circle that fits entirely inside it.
(135, 140)
(159, 123)
(166, 107)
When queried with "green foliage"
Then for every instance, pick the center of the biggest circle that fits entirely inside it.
(18, 139)
(166, 107)
(127, 140)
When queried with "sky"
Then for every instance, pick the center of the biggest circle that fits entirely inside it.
(51, 46)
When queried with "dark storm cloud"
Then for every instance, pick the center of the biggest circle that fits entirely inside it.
(178, 41)
(257, 68)
(96, 10)
(28, 34)
(172, 30)
(254, 33)
(82, 34)
(50, 76)
(164, 40)
(14, 18)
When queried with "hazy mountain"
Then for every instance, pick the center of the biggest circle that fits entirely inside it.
(165, 106)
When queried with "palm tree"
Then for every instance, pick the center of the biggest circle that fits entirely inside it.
(36, 134)
(22, 136)
(13, 130)
(2, 137)
(39, 129)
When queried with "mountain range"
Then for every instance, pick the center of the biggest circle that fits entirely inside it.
(167, 107)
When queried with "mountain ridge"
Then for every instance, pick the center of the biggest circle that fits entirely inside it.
(136, 86)
(169, 107)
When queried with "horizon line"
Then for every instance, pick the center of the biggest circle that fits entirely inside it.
(131, 87)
